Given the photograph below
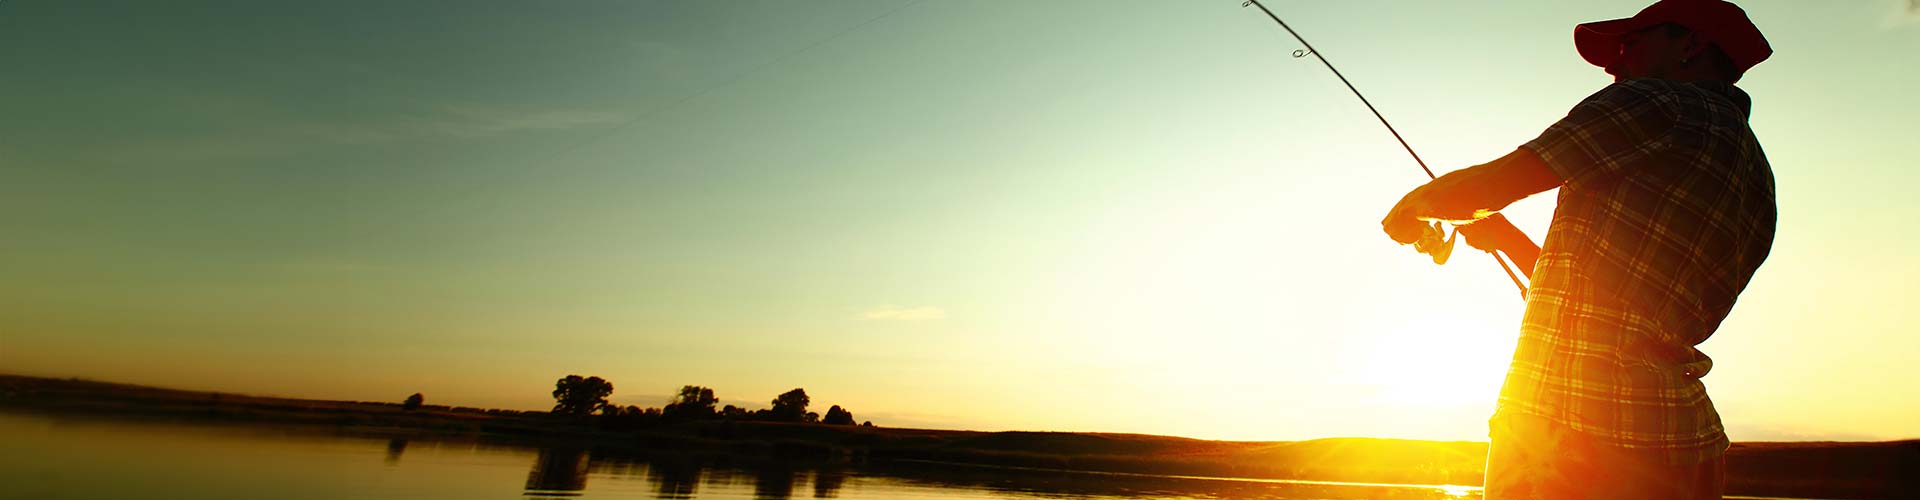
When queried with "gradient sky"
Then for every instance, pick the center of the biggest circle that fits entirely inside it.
(1139, 216)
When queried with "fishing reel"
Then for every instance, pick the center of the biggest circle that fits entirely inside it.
(1436, 242)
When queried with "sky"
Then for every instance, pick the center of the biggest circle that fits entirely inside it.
(1117, 216)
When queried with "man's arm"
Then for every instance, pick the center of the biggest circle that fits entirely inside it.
(1474, 193)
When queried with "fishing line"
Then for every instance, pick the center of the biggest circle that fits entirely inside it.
(1431, 242)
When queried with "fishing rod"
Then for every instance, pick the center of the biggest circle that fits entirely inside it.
(1433, 241)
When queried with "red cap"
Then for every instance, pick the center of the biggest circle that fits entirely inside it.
(1717, 21)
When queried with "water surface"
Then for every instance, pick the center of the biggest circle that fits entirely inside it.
(52, 457)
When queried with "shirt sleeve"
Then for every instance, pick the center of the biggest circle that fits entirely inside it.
(1611, 133)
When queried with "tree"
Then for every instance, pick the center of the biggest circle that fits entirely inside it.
(693, 402)
(574, 395)
(791, 406)
(837, 416)
(812, 418)
(413, 402)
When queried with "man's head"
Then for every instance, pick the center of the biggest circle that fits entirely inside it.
(1676, 40)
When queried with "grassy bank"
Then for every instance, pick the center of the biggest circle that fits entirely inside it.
(1795, 469)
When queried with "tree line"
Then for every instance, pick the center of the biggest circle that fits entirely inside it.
(587, 396)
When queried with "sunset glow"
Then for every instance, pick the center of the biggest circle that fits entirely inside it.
(1140, 216)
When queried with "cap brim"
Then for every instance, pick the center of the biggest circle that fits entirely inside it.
(1599, 41)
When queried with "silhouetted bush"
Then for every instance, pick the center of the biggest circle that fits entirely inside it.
(413, 402)
(629, 418)
(837, 416)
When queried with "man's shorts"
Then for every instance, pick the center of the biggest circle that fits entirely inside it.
(1534, 458)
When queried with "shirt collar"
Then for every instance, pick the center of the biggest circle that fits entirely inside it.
(1732, 93)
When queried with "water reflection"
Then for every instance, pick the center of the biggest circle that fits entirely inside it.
(395, 448)
(69, 460)
(1053, 483)
(723, 478)
(676, 478)
(558, 473)
(562, 473)
(826, 483)
(773, 481)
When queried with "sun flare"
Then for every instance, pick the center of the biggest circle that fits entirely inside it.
(1434, 365)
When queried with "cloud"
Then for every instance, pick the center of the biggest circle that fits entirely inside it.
(905, 314)
(449, 122)
(473, 121)
(910, 420)
(243, 129)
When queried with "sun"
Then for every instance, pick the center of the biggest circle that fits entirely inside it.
(1436, 365)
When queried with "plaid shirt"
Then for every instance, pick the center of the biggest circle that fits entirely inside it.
(1666, 211)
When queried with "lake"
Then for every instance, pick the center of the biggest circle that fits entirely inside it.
(62, 457)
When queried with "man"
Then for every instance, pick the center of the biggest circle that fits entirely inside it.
(1666, 209)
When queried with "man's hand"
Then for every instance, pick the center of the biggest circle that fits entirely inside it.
(1468, 194)
(1463, 196)
(1494, 233)
(1445, 199)
(1403, 223)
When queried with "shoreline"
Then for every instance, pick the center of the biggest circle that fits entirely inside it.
(1755, 469)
